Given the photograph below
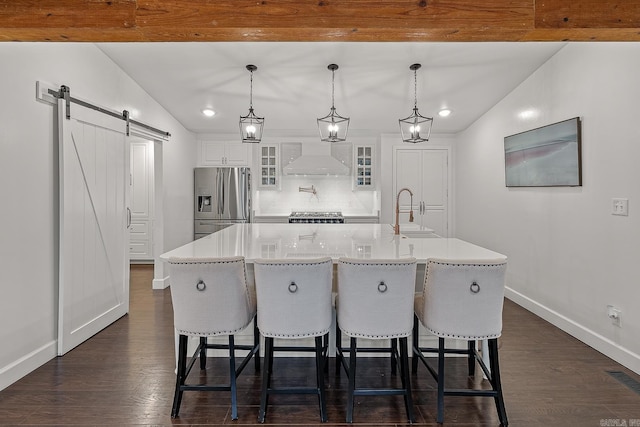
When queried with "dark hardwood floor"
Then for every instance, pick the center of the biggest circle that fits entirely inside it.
(125, 376)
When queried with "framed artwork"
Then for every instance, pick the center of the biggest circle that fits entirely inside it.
(549, 156)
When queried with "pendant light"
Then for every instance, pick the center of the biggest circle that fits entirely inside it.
(333, 127)
(251, 125)
(415, 128)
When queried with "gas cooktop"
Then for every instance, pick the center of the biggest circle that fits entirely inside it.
(316, 217)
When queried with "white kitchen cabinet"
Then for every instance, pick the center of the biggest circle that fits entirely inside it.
(280, 219)
(141, 202)
(361, 219)
(425, 172)
(268, 167)
(363, 168)
(217, 153)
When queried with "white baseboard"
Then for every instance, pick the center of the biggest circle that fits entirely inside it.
(160, 283)
(603, 344)
(26, 364)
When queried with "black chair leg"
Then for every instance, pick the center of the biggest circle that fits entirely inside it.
(180, 375)
(320, 366)
(338, 349)
(471, 357)
(256, 344)
(266, 378)
(415, 348)
(440, 416)
(496, 382)
(406, 380)
(232, 378)
(352, 380)
(325, 346)
(203, 352)
(394, 353)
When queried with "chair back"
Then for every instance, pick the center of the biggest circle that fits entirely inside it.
(463, 298)
(210, 296)
(294, 297)
(375, 297)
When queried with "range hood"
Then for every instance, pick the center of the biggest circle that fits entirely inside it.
(316, 159)
(314, 164)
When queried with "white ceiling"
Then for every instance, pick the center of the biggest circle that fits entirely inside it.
(292, 86)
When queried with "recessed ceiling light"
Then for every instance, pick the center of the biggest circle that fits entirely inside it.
(208, 112)
(444, 112)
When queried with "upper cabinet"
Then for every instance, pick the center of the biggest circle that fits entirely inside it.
(216, 153)
(268, 165)
(364, 162)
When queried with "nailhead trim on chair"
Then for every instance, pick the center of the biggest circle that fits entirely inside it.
(293, 263)
(212, 334)
(372, 261)
(375, 336)
(309, 335)
(466, 337)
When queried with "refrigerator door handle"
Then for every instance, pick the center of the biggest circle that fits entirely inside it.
(223, 188)
(219, 184)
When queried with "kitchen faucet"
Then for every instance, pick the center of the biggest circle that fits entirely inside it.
(396, 227)
(311, 189)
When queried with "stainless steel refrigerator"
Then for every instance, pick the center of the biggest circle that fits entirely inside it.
(222, 198)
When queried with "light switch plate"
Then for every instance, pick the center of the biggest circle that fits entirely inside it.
(620, 207)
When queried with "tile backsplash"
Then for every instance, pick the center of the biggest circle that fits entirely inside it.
(333, 193)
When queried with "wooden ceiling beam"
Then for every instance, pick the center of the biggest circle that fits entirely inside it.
(318, 20)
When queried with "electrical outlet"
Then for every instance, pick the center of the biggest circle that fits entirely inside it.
(615, 315)
(620, 207)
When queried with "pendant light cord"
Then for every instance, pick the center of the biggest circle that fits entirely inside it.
(251, 92)
(415, 89)
(333, 84)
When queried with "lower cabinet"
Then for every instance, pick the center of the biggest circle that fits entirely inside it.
(271, 219)
(361, 220)
(140, 241)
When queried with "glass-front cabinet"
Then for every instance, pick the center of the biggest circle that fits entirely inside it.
(363, 167)
(269, 166)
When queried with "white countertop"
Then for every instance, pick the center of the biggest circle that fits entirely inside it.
(335, 240)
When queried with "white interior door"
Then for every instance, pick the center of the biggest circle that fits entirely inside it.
(94, 250)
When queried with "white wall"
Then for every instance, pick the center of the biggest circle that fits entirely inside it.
(28, 180)
(568, 256)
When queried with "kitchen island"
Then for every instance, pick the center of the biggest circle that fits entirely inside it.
(363, 241)
(366, 241)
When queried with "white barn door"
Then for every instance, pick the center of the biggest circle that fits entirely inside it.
(94, 216)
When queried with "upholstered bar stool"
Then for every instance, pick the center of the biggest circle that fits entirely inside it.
(211, 297)
(462, 300)
(375, 299)
(294, 302)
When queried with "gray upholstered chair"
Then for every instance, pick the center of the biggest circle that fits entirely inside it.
(375, 301)
(211, 297)
(462, 300)
(294, 302)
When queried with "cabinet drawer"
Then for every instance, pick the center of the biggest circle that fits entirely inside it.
(139, 229)
(139, 249)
